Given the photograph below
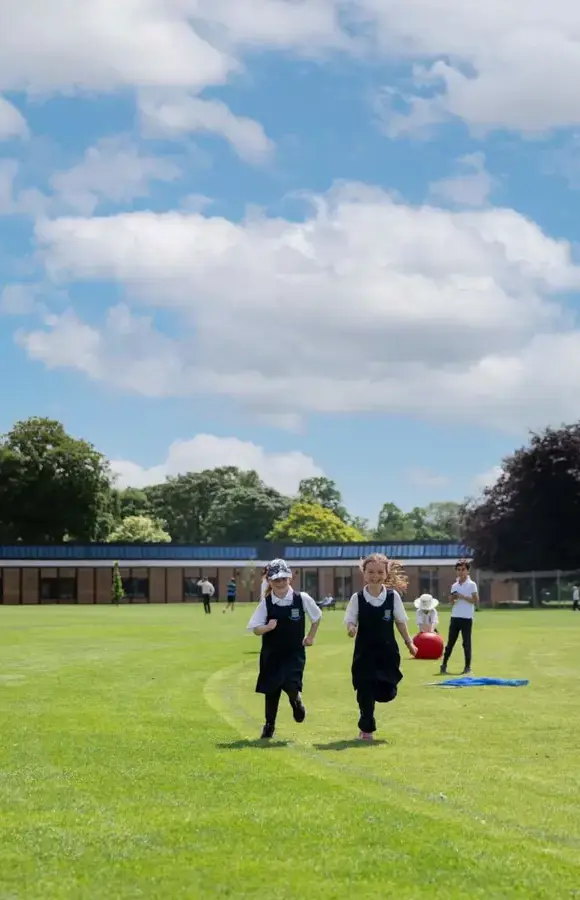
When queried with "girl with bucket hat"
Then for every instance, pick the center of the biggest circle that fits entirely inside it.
(427, 616)
(279, 620)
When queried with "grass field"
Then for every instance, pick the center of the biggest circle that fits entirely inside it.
(129, 766)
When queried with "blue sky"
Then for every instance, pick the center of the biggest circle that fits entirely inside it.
(304, 236)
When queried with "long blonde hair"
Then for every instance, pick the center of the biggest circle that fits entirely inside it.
(396, 579)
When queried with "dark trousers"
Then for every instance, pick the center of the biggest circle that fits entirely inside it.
(576, 605)
(273, 701)
(463, 627)
(206, 603)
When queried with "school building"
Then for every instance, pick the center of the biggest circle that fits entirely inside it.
(168, 573)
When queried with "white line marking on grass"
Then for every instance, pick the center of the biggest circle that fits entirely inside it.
(218, 692)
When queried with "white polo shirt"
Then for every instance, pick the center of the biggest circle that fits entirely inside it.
(351, 613)
(260, 616)
(463, 609)
(427, 617)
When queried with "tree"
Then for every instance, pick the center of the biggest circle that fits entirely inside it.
(436, 522)
(139, 530)
(117, 589)
(309, 523)
(443, 521)
(324, 492)
(190, 504)
(528, 520)
(53, 487)
(184, 502)
(362, 526)
(245, 514)
(394, 524)
(133, 502)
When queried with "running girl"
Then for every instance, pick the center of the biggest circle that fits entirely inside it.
(370, 618)
(280, 621)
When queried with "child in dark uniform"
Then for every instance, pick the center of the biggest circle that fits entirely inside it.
(370, 618)
(280, 621)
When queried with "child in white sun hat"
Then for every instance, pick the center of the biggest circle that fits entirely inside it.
(427, 617)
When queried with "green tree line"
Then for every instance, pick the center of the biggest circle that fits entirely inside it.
(55, 487)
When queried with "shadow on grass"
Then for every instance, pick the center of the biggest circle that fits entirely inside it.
(251, 652)
(257, 743)
(346, 745)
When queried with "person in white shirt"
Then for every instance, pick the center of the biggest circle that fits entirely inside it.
(279, 620)
(576, 598)
(427, 617)
(207, 592)
(370, 618)
(464, 597)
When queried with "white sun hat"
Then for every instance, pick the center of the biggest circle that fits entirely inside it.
(426, 603)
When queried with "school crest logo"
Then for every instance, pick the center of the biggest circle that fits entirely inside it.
(295, 614)
(387, 615)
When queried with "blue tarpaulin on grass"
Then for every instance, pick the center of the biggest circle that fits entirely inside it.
(483, 682)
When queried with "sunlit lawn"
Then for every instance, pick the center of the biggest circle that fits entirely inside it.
(129, 766)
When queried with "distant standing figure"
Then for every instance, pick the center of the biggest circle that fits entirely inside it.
(207, 592)
(231, 595)
(464, 598)
(576, 598)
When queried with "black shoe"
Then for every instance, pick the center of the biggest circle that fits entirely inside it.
(443, 670)
(298, 710)
(467, 670)
(267, 731)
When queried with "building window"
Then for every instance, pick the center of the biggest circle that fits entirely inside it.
(429, 582)
(136, 588)
(310, 582)
(191, 590)
(343, 584)
(55, 590)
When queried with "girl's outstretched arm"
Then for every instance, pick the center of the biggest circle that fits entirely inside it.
(404, 632)
(351, 616)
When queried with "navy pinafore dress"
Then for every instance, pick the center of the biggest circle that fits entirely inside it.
(376, 661)
(283, 657)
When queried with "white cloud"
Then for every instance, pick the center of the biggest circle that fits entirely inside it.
(106, 45)
(471, 187)
(12, 122)
(182, 114)
(496, 65)
(114, 170)
(8, 173)
(103, 45)
(379, 306)
(487, 479)
(282, 471)
(127, 352)
(20, 299)
(13, 201)
(427, 479)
